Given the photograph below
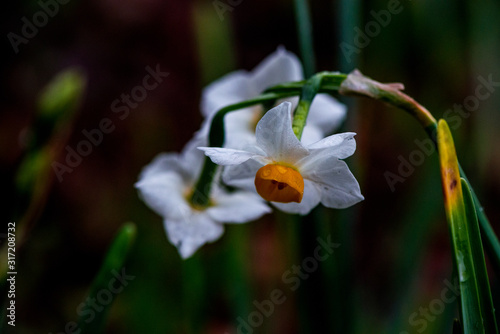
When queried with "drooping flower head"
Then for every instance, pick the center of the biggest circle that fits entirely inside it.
(166, 186)
(325, 114)
(294, 177)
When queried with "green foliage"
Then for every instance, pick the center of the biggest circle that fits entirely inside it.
(56, 107)
(111, 267)
(483, 284)
(62, 95)
(477, 312)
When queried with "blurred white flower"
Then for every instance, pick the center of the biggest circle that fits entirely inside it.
(166, 185)
(294, 177)
(326, 113)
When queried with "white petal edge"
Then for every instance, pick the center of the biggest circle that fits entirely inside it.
(341, 145)
(280, 66)
(339, 188)
(238, 207)
(326, 113)
(240, 127)
(164, 194)
(192, 232)
(191, 157)
(231, 88)
(187, 163)
(275, 135)
(229, 156)
(242, 176)
(162, 163)
(311, 135)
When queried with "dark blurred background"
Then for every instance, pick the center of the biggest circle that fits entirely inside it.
(395, 253)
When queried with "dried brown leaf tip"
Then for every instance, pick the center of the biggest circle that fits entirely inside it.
(358, 84)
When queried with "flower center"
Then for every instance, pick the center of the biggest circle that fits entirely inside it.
(278, 183)
(194, 200)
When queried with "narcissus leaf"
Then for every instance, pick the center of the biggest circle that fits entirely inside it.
(476, 306)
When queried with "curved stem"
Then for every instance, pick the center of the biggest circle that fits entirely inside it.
(330, 83)
(358, 85)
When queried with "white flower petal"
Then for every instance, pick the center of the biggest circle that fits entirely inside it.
(341, 145)
(163, 162)
(192, 231)
(344, 193)
(240, 127)
(229, 156)
(187, 164)
(315, 124)
(164, 193)
(275, 135)
(311, 134)
(326, 113)
(241, 119)
(339, 188)
(231, 88)
(310, 200)
(239, 140)
(191, 158)
(242, 176)
(281, 66)
(238, 207)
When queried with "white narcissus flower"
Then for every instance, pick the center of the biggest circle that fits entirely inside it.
(294, 177)
(325, 115)
(168, 182)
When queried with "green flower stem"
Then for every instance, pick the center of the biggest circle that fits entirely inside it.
(349, 14)
(299, 119)
(194, 294)
(330, 83)
(304, 27)
(201, 194)
(309, 91)
(295, 87)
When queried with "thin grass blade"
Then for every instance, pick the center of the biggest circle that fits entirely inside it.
(483, 283)
(110, 275)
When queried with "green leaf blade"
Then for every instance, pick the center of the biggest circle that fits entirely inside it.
(483, 284)
(471, 310)
(111, 271)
